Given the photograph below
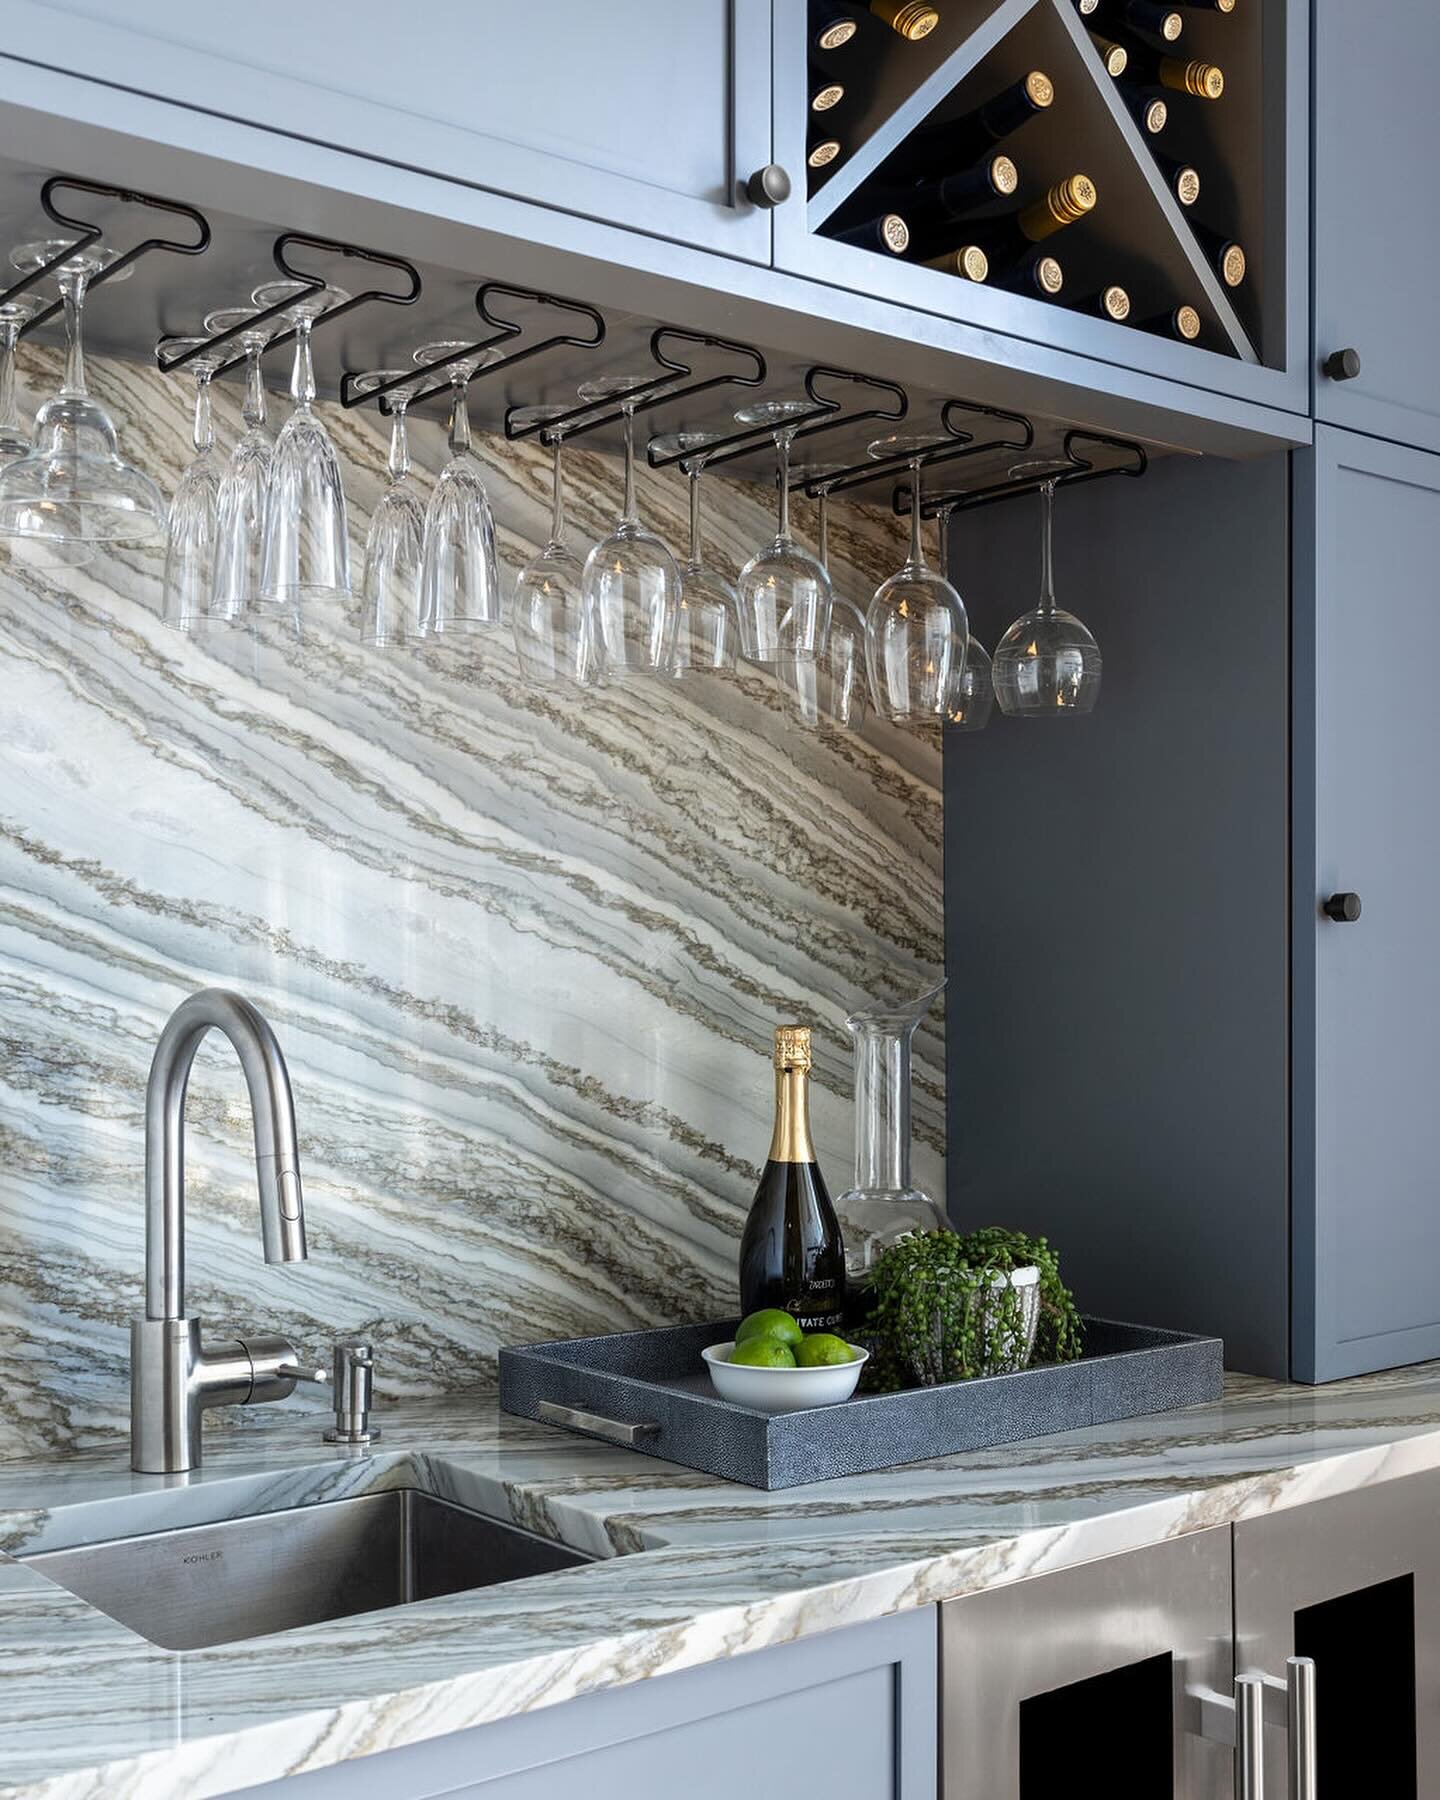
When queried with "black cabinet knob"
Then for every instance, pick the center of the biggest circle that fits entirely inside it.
(1344, 909)
(768, 186)
(1342, 365)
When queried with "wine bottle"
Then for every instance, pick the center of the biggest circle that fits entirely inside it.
(968, 261)
(928, 207)
(1153, 68)
(1110, 302)
(1220, 6)
(909, 19)
(1039, 275)
(1148, 17)
(1181, 322)
(1227, 256)
(822, 151)
(1151, 112)
(886, 231)
(792, 1255)
(832, 27)
(1115, 57)
(953, 143)
(825, 91)
(1010, 239)
(1183, 177)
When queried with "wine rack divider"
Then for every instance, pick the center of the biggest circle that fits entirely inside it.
(895, 111)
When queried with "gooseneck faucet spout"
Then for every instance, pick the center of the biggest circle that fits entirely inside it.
(174, 1375)
(277, 1151)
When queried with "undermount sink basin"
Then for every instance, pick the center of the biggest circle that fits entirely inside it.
(245, 1578)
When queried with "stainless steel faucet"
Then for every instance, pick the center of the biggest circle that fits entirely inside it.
(174, 1375)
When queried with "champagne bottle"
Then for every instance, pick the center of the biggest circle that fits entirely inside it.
(929, 207)
(792, 1255)
(1110, 302)
(1182, 322)
(885, 231)
(1041, 276)
(1115, 57)
(1227, 256)
(1009, 240)
(825, 92)
(953, 143)
(1183, 177)
(1147, 17)
(1154, 69)
(909, 19)
(822, 151)
(968, 261)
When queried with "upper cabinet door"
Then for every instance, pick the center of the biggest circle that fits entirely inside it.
(636, 112)
(1377, 258)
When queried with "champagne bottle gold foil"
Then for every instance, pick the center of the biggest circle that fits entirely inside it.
(790, 1142)
(1066, 202)
(1204, 80)
(911, 18)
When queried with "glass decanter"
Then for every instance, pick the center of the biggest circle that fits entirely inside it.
(884, 1204)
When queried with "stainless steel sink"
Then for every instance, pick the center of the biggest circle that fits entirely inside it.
(244, 1578)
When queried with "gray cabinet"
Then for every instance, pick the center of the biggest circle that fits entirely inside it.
(1367, 992)
(849, 1714)
(1377, 260)
(1354, 1583)
(617, 112)
(1081, 1681)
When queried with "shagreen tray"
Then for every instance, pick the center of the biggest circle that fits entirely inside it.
(649, 1391)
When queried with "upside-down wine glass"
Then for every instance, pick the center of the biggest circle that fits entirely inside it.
(827, 693)
(1047, 664)
(245, 483)
(390, 591)
(557, 638)
(459, 572)
(187, 596)
(707, 629)
(916, 632)
(784, 592)
(971, 699)
(631, 581)
(15, 440)
(72, 484)
(306, 550)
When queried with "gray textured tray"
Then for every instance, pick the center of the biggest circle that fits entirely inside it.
(649, 1391)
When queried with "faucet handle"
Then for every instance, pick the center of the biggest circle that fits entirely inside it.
(303, 1372)
(354, 1382)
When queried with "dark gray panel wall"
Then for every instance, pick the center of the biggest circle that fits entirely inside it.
(1116, 895)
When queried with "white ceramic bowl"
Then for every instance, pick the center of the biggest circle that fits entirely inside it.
(782, 1390)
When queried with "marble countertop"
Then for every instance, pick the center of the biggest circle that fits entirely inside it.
(87, 1708)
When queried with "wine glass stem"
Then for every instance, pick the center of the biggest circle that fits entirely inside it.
(302, 375)
(557, 494)
(72, 295)
(627, 513)
(9, 406)
(782, 476)
(202, 433)
(822, 528)
(917, 549)
(252, 409)
(460, 417)
(398, 461)
(1047, 563)
(693, 471)
(942, 540)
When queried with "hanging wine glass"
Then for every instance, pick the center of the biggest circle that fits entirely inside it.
(390, 588)
(707, 630)
(306, 541)
(828, 692)
(784, 592)
(971, 699)
(1048, 663)
(631, 581)
(459, 571)
(240, 513)
(72, 483)
(557, 637)
(916, 632)
(15, 440)
(188, 599)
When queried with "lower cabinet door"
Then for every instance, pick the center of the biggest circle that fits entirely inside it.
(1353, 1582)
(1084, 1682)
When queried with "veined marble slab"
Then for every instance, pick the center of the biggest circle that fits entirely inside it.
(693, 1569)
(523, 953)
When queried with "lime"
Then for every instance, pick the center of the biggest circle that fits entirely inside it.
(771, 1322)
(763, 1353)
(820, 1350)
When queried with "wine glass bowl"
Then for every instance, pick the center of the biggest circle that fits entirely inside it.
(784, 592)
(460, 569)
(828, 692)
(1048, 663)
(188, 597)
(390, 586)
(556, 638)
(14, 439)
(707, 629)
(240, 517)
(916, 630)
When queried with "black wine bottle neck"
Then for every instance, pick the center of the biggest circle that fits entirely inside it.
(1012, 238)
(953, 143)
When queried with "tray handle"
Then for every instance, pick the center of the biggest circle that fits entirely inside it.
(614, 1431)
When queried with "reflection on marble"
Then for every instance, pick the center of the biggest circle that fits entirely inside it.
(692, 1569)
(523, 954)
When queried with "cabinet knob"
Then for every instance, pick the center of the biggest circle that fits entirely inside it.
(768, 186)
(1344, 909)
(1342, 365)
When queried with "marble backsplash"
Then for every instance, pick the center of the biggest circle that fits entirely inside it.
(523, 952)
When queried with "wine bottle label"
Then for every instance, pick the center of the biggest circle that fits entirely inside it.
(823, 153)
(809, 1320)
